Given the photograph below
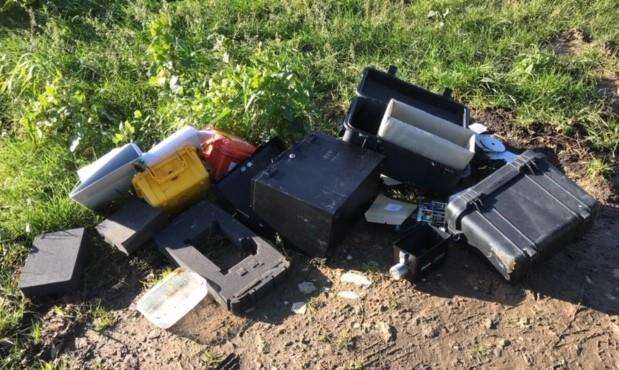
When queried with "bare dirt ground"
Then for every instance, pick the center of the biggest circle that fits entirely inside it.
(464, 315)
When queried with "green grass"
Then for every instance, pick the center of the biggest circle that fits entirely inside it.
(80, 77)
(102, 318)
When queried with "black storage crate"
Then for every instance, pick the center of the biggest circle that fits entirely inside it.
(364, 117)
(315, 190)
(523, 212)
(384, 86)
(234, 189)
(424, 247)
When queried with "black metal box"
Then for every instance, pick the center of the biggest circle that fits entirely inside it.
(315, 190)
(523, 212)
(234, 189)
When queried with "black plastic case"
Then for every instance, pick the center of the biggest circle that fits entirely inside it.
(234, 190)
(523, 212)
(313, 191)
(424, 247)
(238, 287)
(363, 120)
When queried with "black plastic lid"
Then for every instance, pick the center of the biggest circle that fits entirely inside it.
(384, 86)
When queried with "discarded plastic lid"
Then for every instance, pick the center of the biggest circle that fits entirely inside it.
(388, 211)
(107, 178)
(490, 143)
(173, 297)
(109, 162)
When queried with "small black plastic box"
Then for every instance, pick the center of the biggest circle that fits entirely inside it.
(364, 117)
(523, 212)
(315, 189)
(234, 189)
(424, 246)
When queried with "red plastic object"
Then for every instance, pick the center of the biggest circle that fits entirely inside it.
(223, 151)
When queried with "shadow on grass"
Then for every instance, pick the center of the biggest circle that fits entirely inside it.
(13, 16)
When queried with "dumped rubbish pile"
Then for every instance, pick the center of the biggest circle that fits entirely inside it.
(199, 190)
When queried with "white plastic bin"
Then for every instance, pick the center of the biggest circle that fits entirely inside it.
(186, 136)
(108, 178)
(428, 135)
(173, 297)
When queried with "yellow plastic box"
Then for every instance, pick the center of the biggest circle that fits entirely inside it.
(175, 182)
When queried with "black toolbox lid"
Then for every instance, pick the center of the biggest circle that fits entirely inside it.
(384, 86)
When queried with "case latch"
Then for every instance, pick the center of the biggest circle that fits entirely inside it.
(522, 163)
(472, 198)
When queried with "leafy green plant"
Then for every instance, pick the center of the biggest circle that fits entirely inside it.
(257, 100)
(598, 167)
(210, 360)
(103, 319)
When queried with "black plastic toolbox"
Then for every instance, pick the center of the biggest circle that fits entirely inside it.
(364, 117)
(315, 190)
(236, 286)
(234, 189)
(523, 212)
(421, 248)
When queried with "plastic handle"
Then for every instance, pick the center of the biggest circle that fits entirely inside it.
(180, 167)
(371, 143)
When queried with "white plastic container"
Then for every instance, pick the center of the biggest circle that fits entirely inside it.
(173, 297)
(108, 178)
(186, 136)
(428, 135)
